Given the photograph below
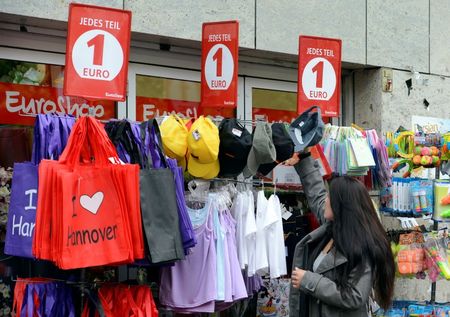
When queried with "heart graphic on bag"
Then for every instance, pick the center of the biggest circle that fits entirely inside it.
(92, 204)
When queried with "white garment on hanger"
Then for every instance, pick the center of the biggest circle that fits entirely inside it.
(262, 261)
(237, 211)
(275, 239)
(250, 234)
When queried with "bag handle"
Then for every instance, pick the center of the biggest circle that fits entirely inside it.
(104, 145)
(39, 142)
(80, 145)
(35, 306)
(54, 148)
(155, 137)
(93, 299)
(66, 124)
(124, 136)
(19, 296)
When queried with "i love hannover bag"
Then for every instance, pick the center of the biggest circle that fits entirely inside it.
(88, 204)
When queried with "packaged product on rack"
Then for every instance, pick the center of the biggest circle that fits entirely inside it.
(88, 206)
(441, 200)
(408, 197)
(411, 256)
(382, 174)
(437, 250)
(422, 194)
(347, 150)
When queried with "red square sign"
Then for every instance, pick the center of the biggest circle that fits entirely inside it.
(220, 50)
(319, 74)
(98, 43)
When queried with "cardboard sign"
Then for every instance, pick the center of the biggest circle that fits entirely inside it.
(220, 50)
(98, 41)
(147, 108)
(319, 75)
(19, 104)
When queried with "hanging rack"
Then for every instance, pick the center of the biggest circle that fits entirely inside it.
(65, 116)
(44, 280)
(54, 114)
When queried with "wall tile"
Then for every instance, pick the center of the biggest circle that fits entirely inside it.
(279, 23)
(397, 34)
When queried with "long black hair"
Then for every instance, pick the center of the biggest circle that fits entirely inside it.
(359, 235)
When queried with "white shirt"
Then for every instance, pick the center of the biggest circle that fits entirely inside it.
(237, 210)
(262, 260)
(275, 239)
(250, 234)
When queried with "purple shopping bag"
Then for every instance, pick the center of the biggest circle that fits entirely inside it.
(22, 210)
(50, 136)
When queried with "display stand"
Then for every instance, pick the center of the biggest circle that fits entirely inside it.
(435, 228)
(433, 285)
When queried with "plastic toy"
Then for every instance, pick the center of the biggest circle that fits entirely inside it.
(441, 262)
(426, 151)
(404, 144)
(445, 200)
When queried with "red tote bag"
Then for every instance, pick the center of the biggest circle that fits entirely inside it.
(86, 222)
(94, 231)
(129, 180)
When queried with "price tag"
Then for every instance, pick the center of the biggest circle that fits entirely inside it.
(220, 44)
(319, 74)
(97, 49)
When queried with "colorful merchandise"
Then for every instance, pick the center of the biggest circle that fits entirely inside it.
(347, 150)
(41, 297)
(87, 206)
(381, 173)
(121, 300)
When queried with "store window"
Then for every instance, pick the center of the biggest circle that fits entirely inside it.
(274, 105)
(272, 101)
(28, 89)
(159, 96)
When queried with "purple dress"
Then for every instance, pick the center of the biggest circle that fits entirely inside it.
(190, 285)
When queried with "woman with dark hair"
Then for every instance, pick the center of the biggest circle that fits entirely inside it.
(338, 266)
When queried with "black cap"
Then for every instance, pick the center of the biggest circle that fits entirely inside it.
(235, 144)
(283, 144)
